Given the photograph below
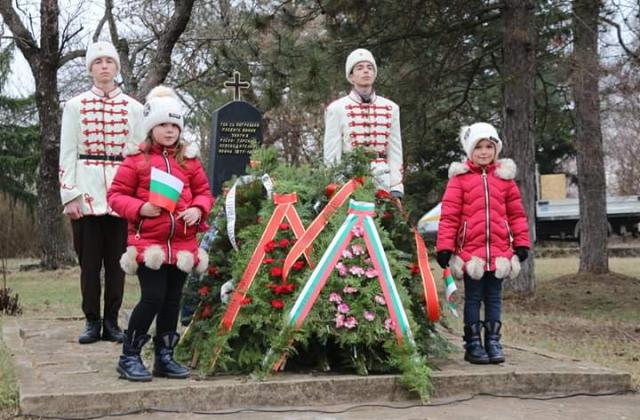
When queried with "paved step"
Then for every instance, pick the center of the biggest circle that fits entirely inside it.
(59, 377)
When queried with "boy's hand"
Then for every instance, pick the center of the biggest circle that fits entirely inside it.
(443, 258)
(191, 216)
(73, 209)
(150, 210)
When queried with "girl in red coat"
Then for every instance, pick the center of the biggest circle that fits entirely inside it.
(483, 235)
(162, 246)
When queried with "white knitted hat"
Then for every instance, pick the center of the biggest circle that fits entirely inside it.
(356, 57)
(162, 107)
(101, 49)
(470, 135)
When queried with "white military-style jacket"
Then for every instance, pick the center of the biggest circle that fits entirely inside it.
(351, 123)
(97, 128)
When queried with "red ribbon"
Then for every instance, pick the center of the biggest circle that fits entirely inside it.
(284, 208)
(432, 306)
(318, 224)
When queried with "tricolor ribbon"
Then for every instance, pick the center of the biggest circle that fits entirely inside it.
(432, 307)
(359, 215)
(230, 202)
(318, 224)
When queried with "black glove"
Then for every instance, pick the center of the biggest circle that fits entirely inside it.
(443, 258)
(522, 253)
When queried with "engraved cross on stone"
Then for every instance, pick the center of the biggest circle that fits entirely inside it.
(237, 85)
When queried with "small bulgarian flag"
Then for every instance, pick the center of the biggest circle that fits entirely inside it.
(164, 190)
(451, 288)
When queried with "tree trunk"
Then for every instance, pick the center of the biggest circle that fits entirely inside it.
(590, 157)
(519, 43)
(44, 61)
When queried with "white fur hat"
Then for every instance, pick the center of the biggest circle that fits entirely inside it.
(470, 135)
(356, 57)
(162, 107)
(101, 49)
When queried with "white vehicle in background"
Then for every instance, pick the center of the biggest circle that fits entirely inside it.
(560, 218)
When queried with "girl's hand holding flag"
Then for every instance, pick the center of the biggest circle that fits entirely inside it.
(150, 210)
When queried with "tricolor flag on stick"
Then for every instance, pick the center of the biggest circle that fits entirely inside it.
(451, 288)
(164, 190)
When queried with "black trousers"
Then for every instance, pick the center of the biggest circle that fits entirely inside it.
(160, 294)
(100, 240)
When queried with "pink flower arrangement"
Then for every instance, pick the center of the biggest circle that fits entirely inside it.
(379, 299)
(357, 231)
(371, 273)
(342, 269)
(389, 325)
(369, 316)
(349, 289)
(343, 308)
(339, 320)
(357, 249)
(334, 297)
(350, 322)
(356, 270)
(347, 253)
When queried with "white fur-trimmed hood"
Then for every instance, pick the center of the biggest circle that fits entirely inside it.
(505, 169)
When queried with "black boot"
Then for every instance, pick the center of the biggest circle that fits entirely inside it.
(130, 365)
(492, 341)
(91, 332)
(165, 365)
(474, 352)
(111, 331)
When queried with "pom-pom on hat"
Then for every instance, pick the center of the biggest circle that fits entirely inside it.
(162, 107)
(101, 49)
(470, 135)
(356, 57)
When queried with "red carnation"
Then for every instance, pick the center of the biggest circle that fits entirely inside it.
(298, 265)
(247, 300)
(206, 311)
(284, 226)
(267, 261)
(277, 303)
(284, 243)
(259, 219)
(287, 288)
(269, 246)
(382, 194)
(330, 190)
(387, 215)
(213, 270)
(276, 271)
(203, 291)
(415, 268)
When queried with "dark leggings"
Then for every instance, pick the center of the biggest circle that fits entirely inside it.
(487, 291)
(160, 294)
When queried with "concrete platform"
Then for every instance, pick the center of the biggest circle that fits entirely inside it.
(59, 377)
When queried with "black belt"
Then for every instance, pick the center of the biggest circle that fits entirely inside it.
(111, 158)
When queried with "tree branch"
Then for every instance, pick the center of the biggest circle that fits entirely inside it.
(626, 49)
(24, 39)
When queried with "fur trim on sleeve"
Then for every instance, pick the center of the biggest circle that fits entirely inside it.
(203, 261)
(457, 267)
(506, 169)
(153, 257)
(128, 261)
(185, 261)
(503, 267)
(458, 168)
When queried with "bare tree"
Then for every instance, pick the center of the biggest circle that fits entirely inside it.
(519, 45)
(45, 59)
(590, 156)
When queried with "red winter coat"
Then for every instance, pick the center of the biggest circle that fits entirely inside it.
(164, 239)
(483, 222)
